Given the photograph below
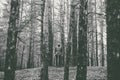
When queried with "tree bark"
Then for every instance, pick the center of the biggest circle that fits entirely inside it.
(74, 39)
(102, 38)
(11, 55)
(44, 60)
(102, 46)
(30, 63)
(113, 39)
(50, 33)
(21, 63)
(82, 42)
(68, 47)
(96, 57)
(62, 24)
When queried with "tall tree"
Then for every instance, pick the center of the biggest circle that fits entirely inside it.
(68, 14)
(74, 37)
(44, 69)
(11, 55)
(91, 34)
(68, 47)
(30, 63)
(62, 25)
(67, 56)
(102, 45)
(102, 35)
(113, 39)
(82, 42)
(21, 18)
(96, 56)
(50, 32)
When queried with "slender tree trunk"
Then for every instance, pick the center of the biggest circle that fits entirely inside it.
(91, 35)
(102, 46)
(18, 41)
(29, 57)
(62, 23)
(22, 57)
(82, 43)
(74, 40)
(113, 39)
(44, 69)
(102, 41)
(68, 48)
(30, 63)
(21, 12)
(88, 41)
(53, 25)
(50, 33)
(67, 56)
(11, 55)
(92, 42)
(63, 45)
(68, 16)
(88, 54)
(96, 64)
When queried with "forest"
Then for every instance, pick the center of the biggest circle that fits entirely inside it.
(59, 40)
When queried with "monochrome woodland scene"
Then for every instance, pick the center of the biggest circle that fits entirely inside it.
(59, 40)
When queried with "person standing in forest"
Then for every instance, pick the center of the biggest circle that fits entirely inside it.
(58, 56)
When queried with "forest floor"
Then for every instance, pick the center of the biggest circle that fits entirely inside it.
(93, 73)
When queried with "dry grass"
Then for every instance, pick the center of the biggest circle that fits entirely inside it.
(93, 73)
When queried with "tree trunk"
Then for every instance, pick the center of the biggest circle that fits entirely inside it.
(50, 33)
(96, 64)
(113, 39)
(67, 56)
(92, 52)
(68, 47)
(30, 63)
(11, 55)
(21, 63)
(62, 23)
(82, 42)
(74, 39)
(102, 47)
(102, 39)
(44, 69)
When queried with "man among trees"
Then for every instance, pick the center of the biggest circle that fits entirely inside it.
(58, 56)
